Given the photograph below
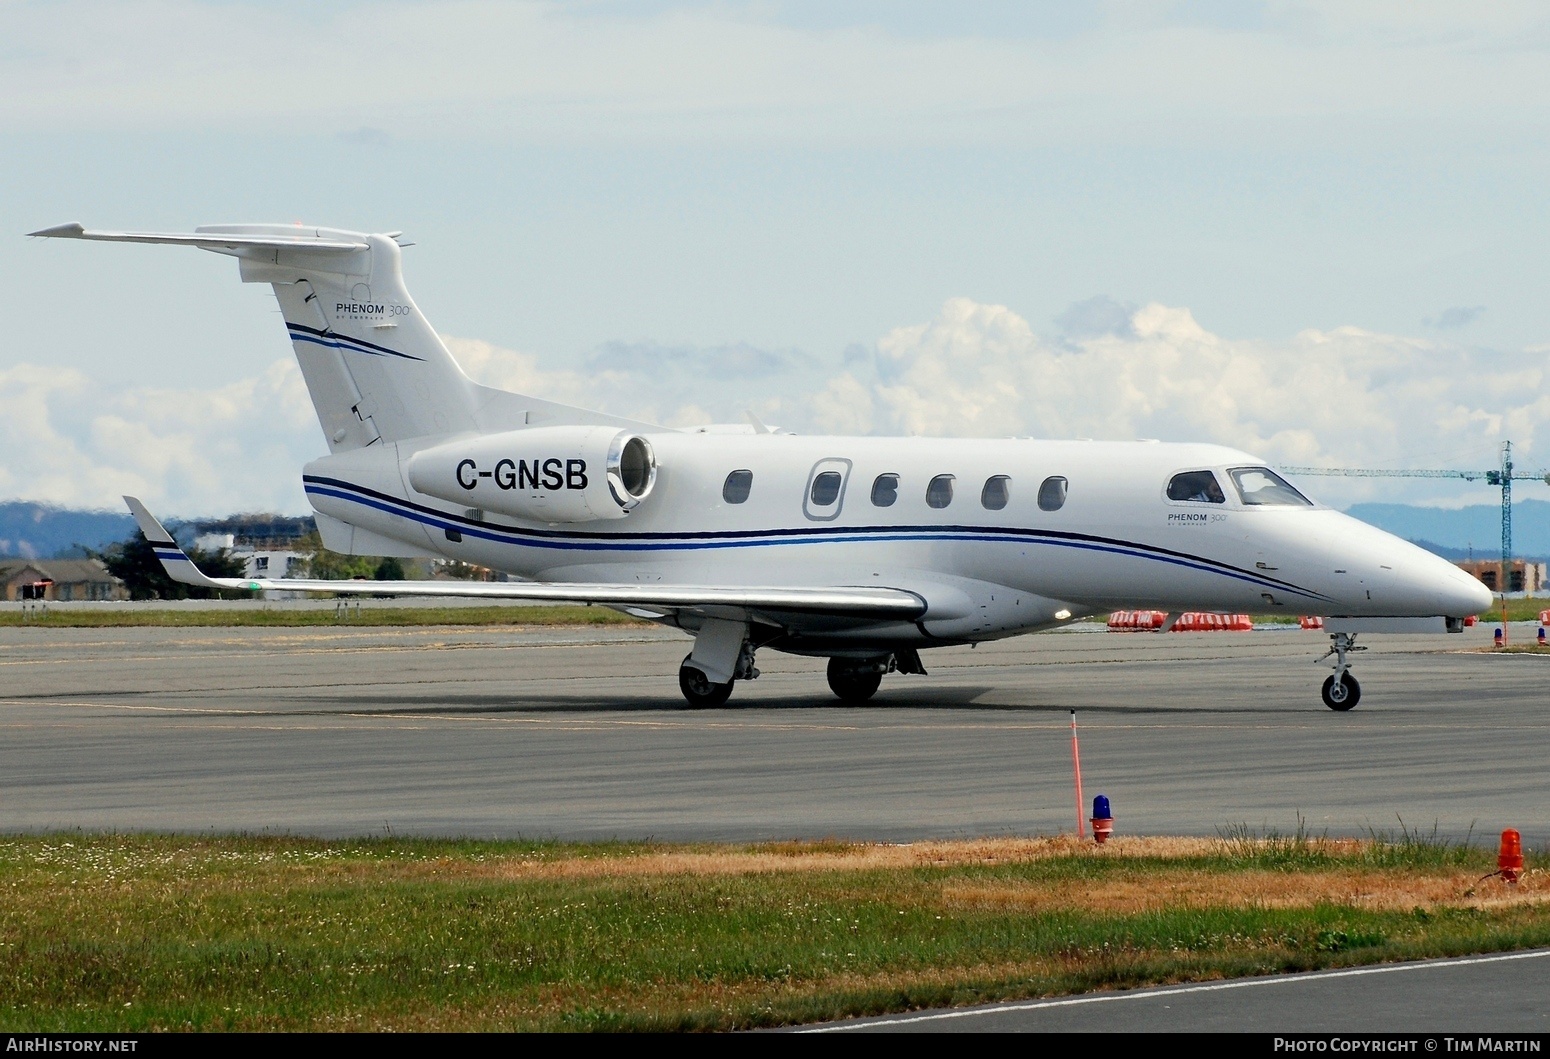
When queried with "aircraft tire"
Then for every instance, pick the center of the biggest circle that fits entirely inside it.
(1343, 696)
(698, 689)
(849, 684)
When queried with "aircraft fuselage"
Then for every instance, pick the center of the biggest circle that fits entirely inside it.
(992, 560)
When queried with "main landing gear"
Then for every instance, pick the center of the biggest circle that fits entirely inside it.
(701, 692)
(855, 680)
(698, 689)
(1341, 691)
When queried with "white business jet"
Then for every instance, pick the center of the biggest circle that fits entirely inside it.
(861, 550)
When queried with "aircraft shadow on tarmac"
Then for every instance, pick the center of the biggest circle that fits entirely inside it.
(963, 697)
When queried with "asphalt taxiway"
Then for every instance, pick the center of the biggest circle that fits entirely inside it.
(580, 733)
(1495, 995)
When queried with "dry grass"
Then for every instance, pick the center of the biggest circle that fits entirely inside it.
(1194, 887)
(145, 932)
(815, 857)
(1379, 890)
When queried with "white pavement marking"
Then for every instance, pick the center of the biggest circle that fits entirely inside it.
(1138, 994)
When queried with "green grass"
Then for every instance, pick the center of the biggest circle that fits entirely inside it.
(1517, 610)
(134, 616)
(105, 933)
(1405, 848)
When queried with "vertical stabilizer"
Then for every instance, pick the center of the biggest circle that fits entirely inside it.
(375, 368)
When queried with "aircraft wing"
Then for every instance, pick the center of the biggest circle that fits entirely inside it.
(874, 603)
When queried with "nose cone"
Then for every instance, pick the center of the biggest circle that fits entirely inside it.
(1463, 594)
(1396, 578)
(1457, 594)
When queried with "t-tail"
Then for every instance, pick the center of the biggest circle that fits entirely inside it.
(376, 370)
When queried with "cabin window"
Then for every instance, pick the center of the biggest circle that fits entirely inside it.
(737, 485)
(885, 490)
(940, 492)
(826, 488)
(1052, 493)
(1262, 487)
(1198, 486)
(997, 491)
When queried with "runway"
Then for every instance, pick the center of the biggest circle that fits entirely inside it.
(581, 734)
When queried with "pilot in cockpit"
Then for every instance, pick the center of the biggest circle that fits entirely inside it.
(1201, 487)
(1210, 492)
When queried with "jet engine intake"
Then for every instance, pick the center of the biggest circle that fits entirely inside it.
(546, 474)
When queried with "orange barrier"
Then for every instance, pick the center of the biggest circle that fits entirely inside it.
(1311, 623)
(1544, 617)
(1472, 620)
(1136, 620)
(1205, 622)
(1191, 621)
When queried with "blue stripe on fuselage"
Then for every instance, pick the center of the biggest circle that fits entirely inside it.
(712, 540)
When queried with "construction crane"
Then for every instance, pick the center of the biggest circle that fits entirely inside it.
(1502, 477)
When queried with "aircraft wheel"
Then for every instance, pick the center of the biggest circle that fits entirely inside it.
(698, 689)
(1342, 694)
(852, 684)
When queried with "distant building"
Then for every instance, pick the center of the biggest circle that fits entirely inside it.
(270, 562)
(58, 579)
(264, 544)
(1522, 575)
(260, 532)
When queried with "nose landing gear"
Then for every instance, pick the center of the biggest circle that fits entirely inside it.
(1341, 691)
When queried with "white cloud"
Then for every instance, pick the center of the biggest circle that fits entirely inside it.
(1342, 397)
(671, 385)
(508, 369)
(238, 447)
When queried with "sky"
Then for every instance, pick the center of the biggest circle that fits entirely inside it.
(1317, 231)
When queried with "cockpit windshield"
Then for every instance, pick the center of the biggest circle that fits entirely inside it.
(1199, 486)
(1262, 487)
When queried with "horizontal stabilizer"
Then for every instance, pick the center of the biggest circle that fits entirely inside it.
(882, 604)
(375, 368)
(303, 239)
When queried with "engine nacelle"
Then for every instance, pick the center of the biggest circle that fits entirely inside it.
(547, 474)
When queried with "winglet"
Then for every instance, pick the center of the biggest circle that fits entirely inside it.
(60, 231)
(174, 560)
(154, 531)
